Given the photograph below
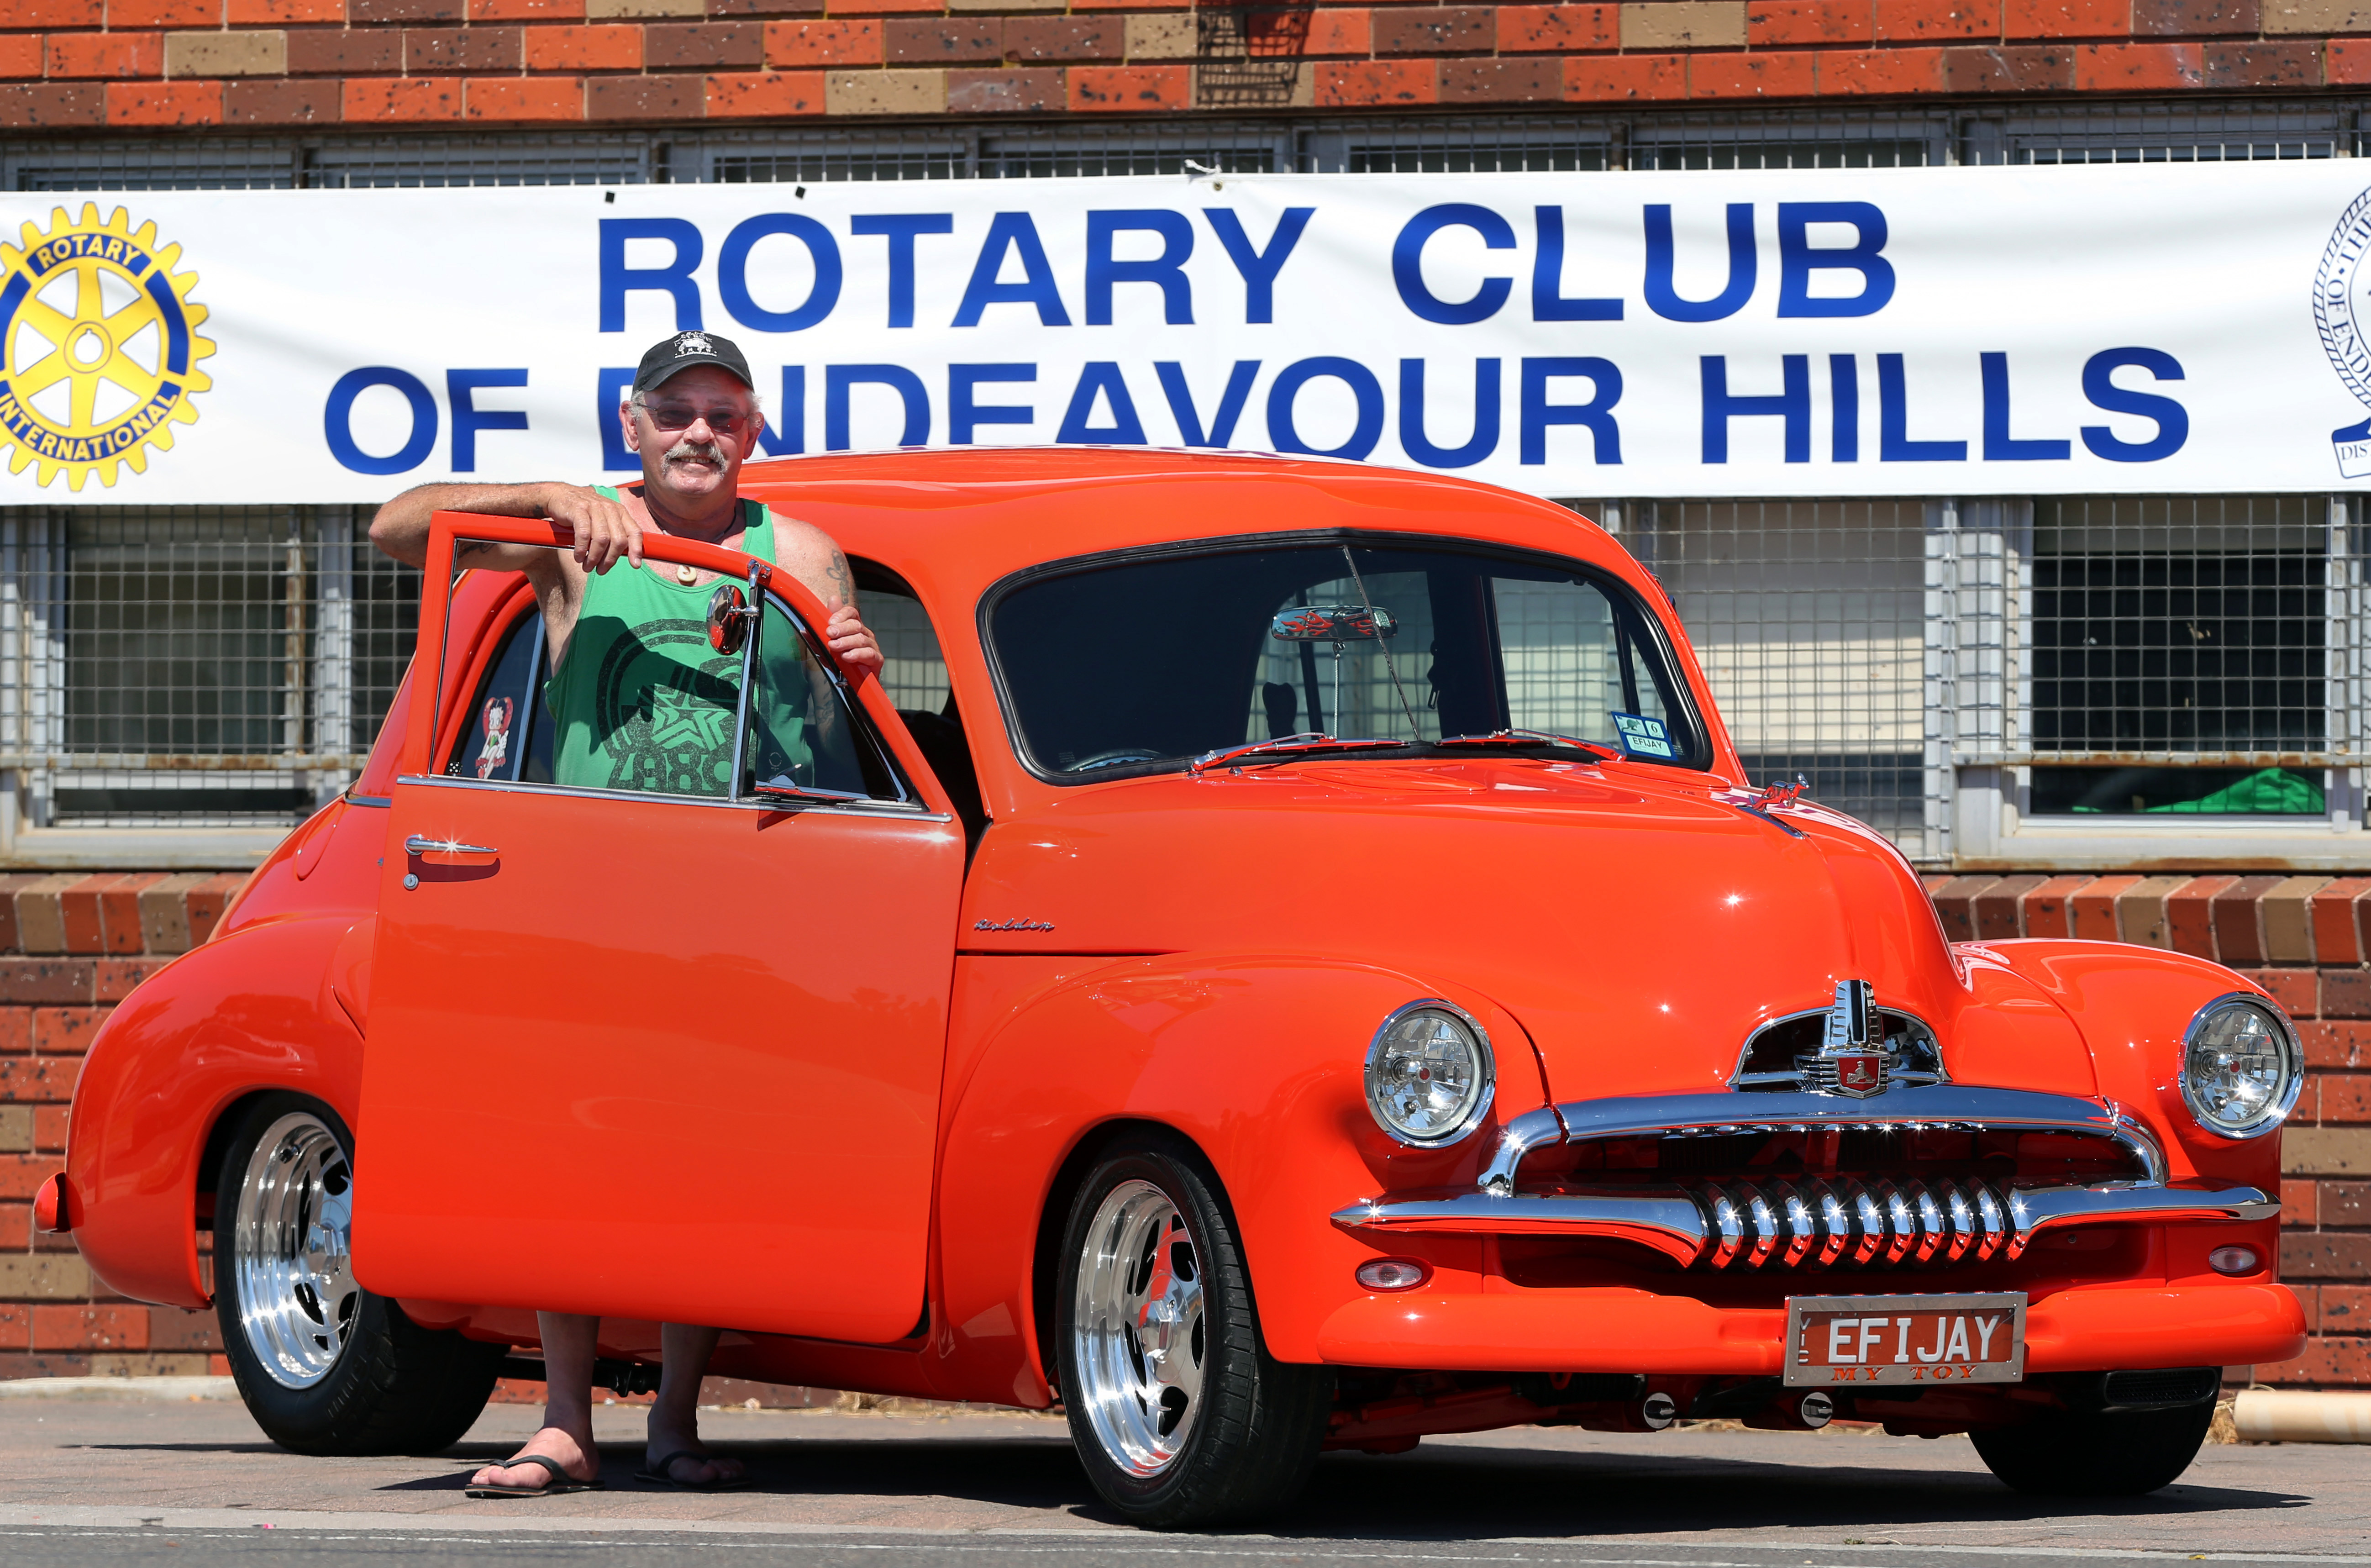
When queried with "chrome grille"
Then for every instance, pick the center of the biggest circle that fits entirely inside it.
(1852, 1224)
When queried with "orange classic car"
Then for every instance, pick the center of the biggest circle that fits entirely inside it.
(1288, 958)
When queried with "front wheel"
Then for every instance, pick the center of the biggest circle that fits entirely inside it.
(1180, 1416)
(2081, 1453)
(324, 1366)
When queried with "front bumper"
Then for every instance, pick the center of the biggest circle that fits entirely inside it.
(2091, 1329)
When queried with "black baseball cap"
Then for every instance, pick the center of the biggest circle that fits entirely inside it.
(684, 350)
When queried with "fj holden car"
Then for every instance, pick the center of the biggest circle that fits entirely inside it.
(1289, 961)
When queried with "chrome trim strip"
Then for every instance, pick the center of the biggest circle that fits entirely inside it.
(854, 806)
(2035, 1210)
(1533, 1129)
(381, 801)
(1664, 1218)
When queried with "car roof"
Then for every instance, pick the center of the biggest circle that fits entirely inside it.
(964, 519)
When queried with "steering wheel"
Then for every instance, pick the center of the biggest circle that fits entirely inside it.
(1112, 758)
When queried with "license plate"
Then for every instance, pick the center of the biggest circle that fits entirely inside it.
(1905, 1339)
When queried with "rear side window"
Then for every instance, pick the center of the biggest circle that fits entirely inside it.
(508, 735)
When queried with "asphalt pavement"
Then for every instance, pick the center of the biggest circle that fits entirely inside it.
(111, 1480)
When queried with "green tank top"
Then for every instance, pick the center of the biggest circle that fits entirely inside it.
(640, 701)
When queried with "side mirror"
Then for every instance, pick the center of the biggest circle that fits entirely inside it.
(728, 619)
(1333, 624)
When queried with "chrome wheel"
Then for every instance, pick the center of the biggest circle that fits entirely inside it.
(289, 1263)
(1137, 1318)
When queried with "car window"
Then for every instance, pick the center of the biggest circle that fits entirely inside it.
(802, 733)
(914, 671)
(509, 731)
(1142, 664)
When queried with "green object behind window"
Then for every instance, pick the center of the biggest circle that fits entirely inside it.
(2270, 792)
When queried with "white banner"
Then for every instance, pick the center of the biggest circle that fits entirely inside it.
(1820, 332)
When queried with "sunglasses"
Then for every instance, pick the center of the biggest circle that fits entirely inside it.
(672, 417)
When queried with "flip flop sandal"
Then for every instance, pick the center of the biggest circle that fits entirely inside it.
(560, 1483)
(661, 1474)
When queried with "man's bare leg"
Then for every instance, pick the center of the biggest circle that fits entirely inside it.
(566, 1435)
(674, 1418)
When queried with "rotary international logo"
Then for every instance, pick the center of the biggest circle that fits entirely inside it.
(98, 347)
(2339, 304)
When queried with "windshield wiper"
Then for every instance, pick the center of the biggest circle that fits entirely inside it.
(1308, 740)
(1531, 737)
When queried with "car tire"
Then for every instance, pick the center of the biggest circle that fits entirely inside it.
(2081, 1453)
(1181, 1418)
(325, 1366)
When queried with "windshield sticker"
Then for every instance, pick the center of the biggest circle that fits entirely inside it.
(1643, 736)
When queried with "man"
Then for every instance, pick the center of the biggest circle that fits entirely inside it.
(693, 417)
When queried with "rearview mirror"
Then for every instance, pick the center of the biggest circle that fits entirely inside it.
(728, 619)
(1333, 624)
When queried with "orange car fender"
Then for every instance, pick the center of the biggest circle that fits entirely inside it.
(248, 1012)
(1259, 1061)
(2132, 1006)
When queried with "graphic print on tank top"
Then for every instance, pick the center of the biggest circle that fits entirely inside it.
(666, 726)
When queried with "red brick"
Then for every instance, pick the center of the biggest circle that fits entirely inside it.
(2343, 1310)
(1927, 21)
(765, 94)
(22, 1175)
(78, 902)
(2264, 64)
(55, 14)
(2337, 939)
(101, 1329)
(697, 46)
(279, 13)
(596, 48)
(438, 51)
(2142, 67)
(1348, 31)
(117, 977)
(884, 7)
(1536, 80)
(11, 882)
(2009, 69)
(522, 100)
(1064, 38)
(840, 41)
(2044, 911)
(15, 1326)
(345, 51)
(2066, 19)
(16, 1235)
(1557, 29)
(2295, 989)
(1356, 84)
(406, 10)
(170, 1327)
(2239, 921)
(2332, 1363)
(764, 8)
(1130, 88)
(525, 10)
(2190, 916)
(1872, 73)
(39, 1080)
(2193, 18)
(2325, 1255)
(646, 98)
(2345, 1205)
(280, 102)
(2093, 909)
(2347, 62)
(50, 1124)
(162, 103)
(1995, 912)
(945, 39)
(2345, 993)
(2346, 1097)
(66, 1031)
(1789, 74)
(1772, 22)
(1435, 31)
(2299, 1201)
(47, 979)
(16, 1032)
(2330, 1045)
(104, 55)
(401, 98)
(164, 13)
(1008, 90)
(1623, 78)
(206, 904)
(119, 911)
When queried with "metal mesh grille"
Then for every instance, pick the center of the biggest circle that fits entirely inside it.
(202, 666)
(1809, 617)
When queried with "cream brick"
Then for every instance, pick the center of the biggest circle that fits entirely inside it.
(2317, 16)
(1162, 38)
(167, 1364)
(597, 9)
(43, 1276)
(225, 54)
(885, 92)
(2288, 920)
(15, 1129)
(1683, 24)
(2326, 1151)
(40, 919)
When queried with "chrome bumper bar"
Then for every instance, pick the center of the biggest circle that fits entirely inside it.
(1944, 1107)
(1819, 1223)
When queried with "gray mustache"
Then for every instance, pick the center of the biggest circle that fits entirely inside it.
(703, 449)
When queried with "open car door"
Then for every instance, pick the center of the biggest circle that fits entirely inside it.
(664, 1055)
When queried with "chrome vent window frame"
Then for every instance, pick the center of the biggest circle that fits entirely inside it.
(1896, 1076)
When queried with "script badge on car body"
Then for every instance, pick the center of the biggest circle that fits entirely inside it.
(1905, 1339)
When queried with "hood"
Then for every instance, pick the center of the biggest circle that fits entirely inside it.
(1638, 923)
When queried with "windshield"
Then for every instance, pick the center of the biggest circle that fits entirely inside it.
(1142, 664)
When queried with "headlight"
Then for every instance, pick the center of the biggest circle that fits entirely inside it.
(1428, 1073)
(2240, 1067)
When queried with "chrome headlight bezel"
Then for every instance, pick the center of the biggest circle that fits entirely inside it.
(1485, 1073)
(2291, 1064)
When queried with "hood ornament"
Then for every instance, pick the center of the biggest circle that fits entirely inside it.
(1849, 1062)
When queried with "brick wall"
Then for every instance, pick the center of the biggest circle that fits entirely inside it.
(71, 946)
(146, 63)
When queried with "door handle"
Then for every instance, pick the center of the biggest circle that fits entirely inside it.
(417, 846)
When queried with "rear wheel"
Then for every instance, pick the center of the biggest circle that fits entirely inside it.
(2079, 1454)
(1180, 1416)
(325, 1366)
